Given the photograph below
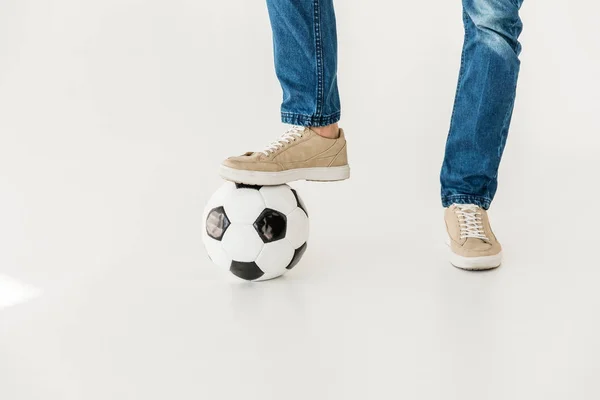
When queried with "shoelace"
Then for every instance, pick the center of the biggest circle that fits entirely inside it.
(288, 137)
(471, 222)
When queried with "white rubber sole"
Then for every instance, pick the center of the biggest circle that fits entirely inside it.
(474, 263)
(322, 174)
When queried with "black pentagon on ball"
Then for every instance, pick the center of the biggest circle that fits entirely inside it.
(297, 256)
(299, 202)
(271, 225)
(246, 186)
(217, 223)
(246, 270)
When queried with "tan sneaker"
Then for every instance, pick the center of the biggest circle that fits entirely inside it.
(473, 245)
(299, 154)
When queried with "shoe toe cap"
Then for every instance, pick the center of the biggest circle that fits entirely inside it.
(249, 162)
(235, 162)
(479, 248)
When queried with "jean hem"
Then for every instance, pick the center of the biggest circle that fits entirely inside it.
(482, 202)
(310, 120)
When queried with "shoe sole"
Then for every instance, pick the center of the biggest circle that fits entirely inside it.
(322, 174)
(474, 263)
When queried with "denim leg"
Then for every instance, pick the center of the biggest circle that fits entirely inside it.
(484, 101)
(305, 46)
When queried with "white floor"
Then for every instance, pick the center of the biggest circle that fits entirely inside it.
(129, 307)
(110, 140)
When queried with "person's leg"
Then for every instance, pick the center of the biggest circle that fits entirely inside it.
(484, 101)
(482, 112)
(305, 47)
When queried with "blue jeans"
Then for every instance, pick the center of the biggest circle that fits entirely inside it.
(305, 45)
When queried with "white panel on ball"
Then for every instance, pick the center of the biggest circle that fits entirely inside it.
(243, 206)
(297, 228)
(218, 198)
(268, 277)
(275, 257)
(242, 243)
(217, 253)
(279, 198)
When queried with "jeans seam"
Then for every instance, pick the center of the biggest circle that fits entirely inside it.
(504, 133)
(319, 54)
(462, 68)
(450, 196)
(309, 120)
(307, 115)
(482, 201)
(505, 128)
(467, 196)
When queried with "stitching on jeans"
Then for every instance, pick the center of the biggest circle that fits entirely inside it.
(309, 116)
(462, 67)
(306, 120)
(319, 54)
(507, 118)
(455, 197)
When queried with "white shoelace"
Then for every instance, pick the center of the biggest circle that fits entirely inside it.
(471, 222)
(288, 137)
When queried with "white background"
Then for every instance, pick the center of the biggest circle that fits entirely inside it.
(114, 116)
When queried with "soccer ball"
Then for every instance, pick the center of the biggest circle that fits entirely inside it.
(257, 233)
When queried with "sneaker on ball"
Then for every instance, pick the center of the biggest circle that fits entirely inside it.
(299, 154)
